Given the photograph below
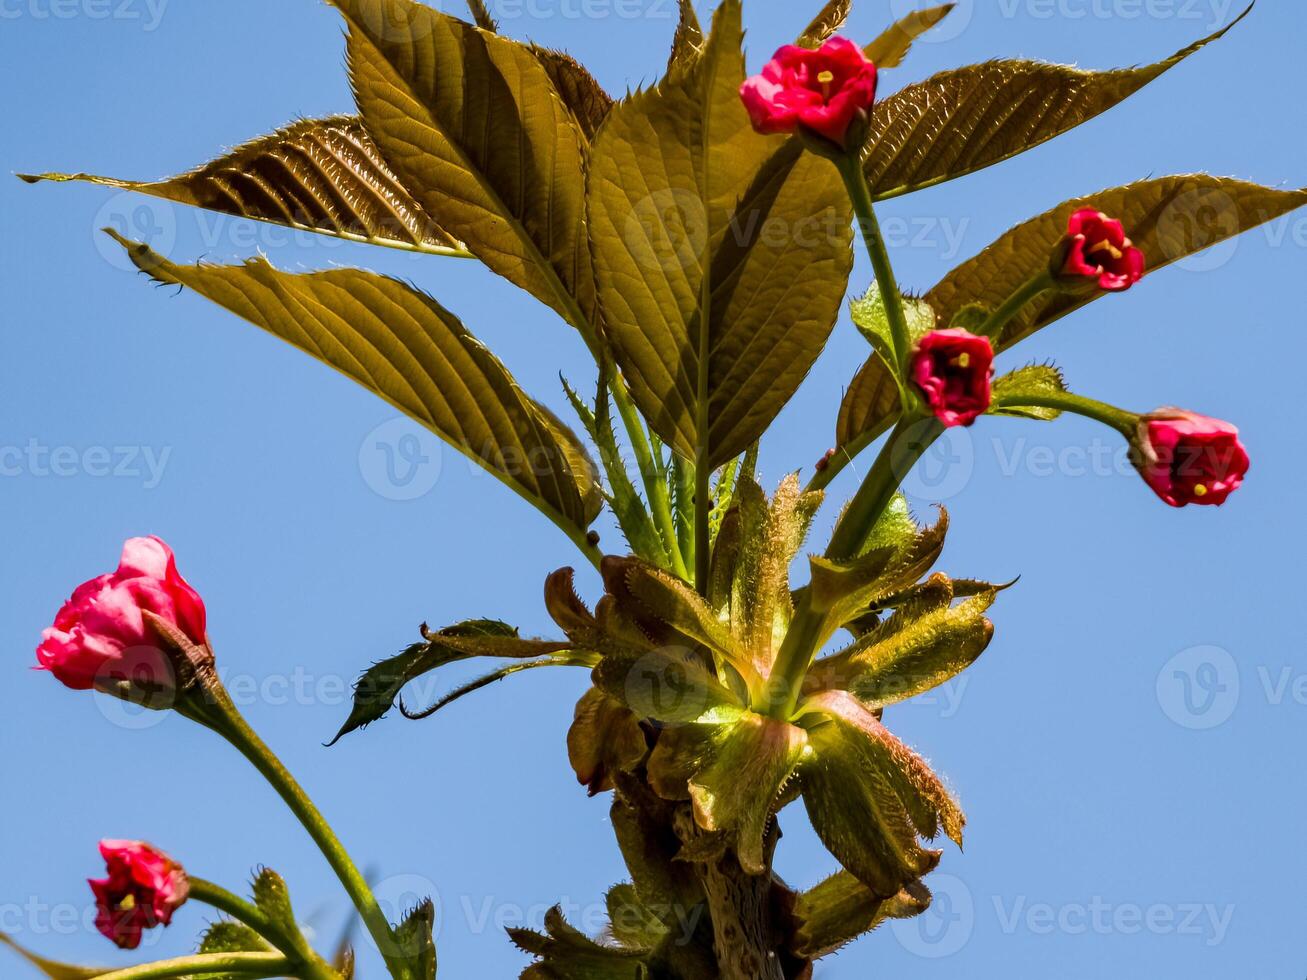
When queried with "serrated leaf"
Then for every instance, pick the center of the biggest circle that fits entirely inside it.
(579, 90)
(925, 799)
(53, 969)
(1034, 380)
(376, 691)
(872, 320)
(737, 791)
(858, 816)
(605, 736)
(826, 24)
(631, 922)
(568, 954)
(841, 909)
(318, 175)
(964, 120)
(924, 644)
(687, 42)
(405, 347)
(474, 127)
(671, 685)
(1169, 218)
(232, 937)
(720, 254)
(889, 50)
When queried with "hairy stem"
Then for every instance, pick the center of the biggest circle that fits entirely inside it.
(855, 180)
(208, 964)
(702, 530)
(1015, 303)
(228, 722)
(1064, 401)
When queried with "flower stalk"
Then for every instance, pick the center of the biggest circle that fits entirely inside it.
(309, 965)
(210, 964)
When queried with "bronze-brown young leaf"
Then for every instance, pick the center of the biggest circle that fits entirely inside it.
(720, 282)
(404, 346)
(322, 175)
(961, 121)
(889, 50)
(473, 125)
(1169, 218)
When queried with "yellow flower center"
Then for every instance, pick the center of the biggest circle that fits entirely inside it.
(825, 78)
(1108, 247)
(128, 903)
(1200, 490)
(963, 361)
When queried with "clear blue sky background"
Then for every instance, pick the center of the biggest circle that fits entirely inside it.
(1116, 828)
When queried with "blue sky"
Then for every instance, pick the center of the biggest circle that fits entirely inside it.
(1124, 749)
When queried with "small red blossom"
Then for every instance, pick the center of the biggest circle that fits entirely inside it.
(101, 631)
(1189, 458)
(952, 369)
(1096, 248)
(143, 889)
(822, 90)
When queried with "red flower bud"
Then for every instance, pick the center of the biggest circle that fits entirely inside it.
(952, 369)
(143, 889)
(1096, 248)
(102, 632)
(1189, 458)
(823, 90)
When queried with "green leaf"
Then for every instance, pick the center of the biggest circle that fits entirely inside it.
(319, 175)
(841, 909)
(232, 937)
(415, 942)
(889, 50)
(405, 347)
(872, 320)
(858, 816)
(738, 791)
(566, 953)
(1169, 218)
(720, 254)
(376, 691)
(53, 969)
(632, 923)
(920, 647)
(473, 125)
(1031, 381)
(964, 120)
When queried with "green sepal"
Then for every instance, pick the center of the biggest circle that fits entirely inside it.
(232, 937)
(872, 320)
(415, 942)
(273, 899)
(566, 953)
(1034, 380)
(841, 908)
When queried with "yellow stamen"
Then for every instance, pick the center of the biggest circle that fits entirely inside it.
(1200, 490)
(128, 903)
(825, 78)
(1108, 247)
(963, 360)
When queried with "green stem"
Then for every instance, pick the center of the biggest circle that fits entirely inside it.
(702, 527)
(855, 180)
(238, 964)
(1014, 304)
(222, 716)
(1064, 401)
(655, 487)
(311, 966)
(911, 437)
(684, 473)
